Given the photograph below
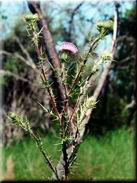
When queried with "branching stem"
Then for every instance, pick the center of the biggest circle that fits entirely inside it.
(84, 62)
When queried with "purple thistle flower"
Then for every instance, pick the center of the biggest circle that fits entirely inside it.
(70, 47)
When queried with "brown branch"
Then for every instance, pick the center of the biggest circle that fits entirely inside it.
(33, 66)
(44, 77)
(24, 50)
(48, 43)
(16, 76)
(54, 61)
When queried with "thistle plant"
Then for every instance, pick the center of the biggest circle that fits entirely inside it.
(75, 105)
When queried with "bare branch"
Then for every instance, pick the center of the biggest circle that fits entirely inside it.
(16, 76)
(24, 50)
(48, 43)
(33, 66)
(106, 69)
(72, 18)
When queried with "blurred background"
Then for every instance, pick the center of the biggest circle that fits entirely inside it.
(108, 150)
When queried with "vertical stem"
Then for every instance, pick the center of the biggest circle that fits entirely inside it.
(40, 145)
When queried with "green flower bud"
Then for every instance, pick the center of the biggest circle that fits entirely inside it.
(18, 120)
(31, 17)
(105, 27)
(13, 117)
(107, 55)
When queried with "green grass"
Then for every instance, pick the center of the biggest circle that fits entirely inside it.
(108, 158)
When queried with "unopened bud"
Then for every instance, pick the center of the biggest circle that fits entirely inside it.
(105, 27)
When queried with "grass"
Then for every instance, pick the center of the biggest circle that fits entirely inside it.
(108, 158)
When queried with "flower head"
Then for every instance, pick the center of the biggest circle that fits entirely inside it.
(107, 55)
(105, 27)
(70, 47)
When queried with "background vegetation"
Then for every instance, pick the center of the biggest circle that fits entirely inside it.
(108, 150)
(111, 157)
